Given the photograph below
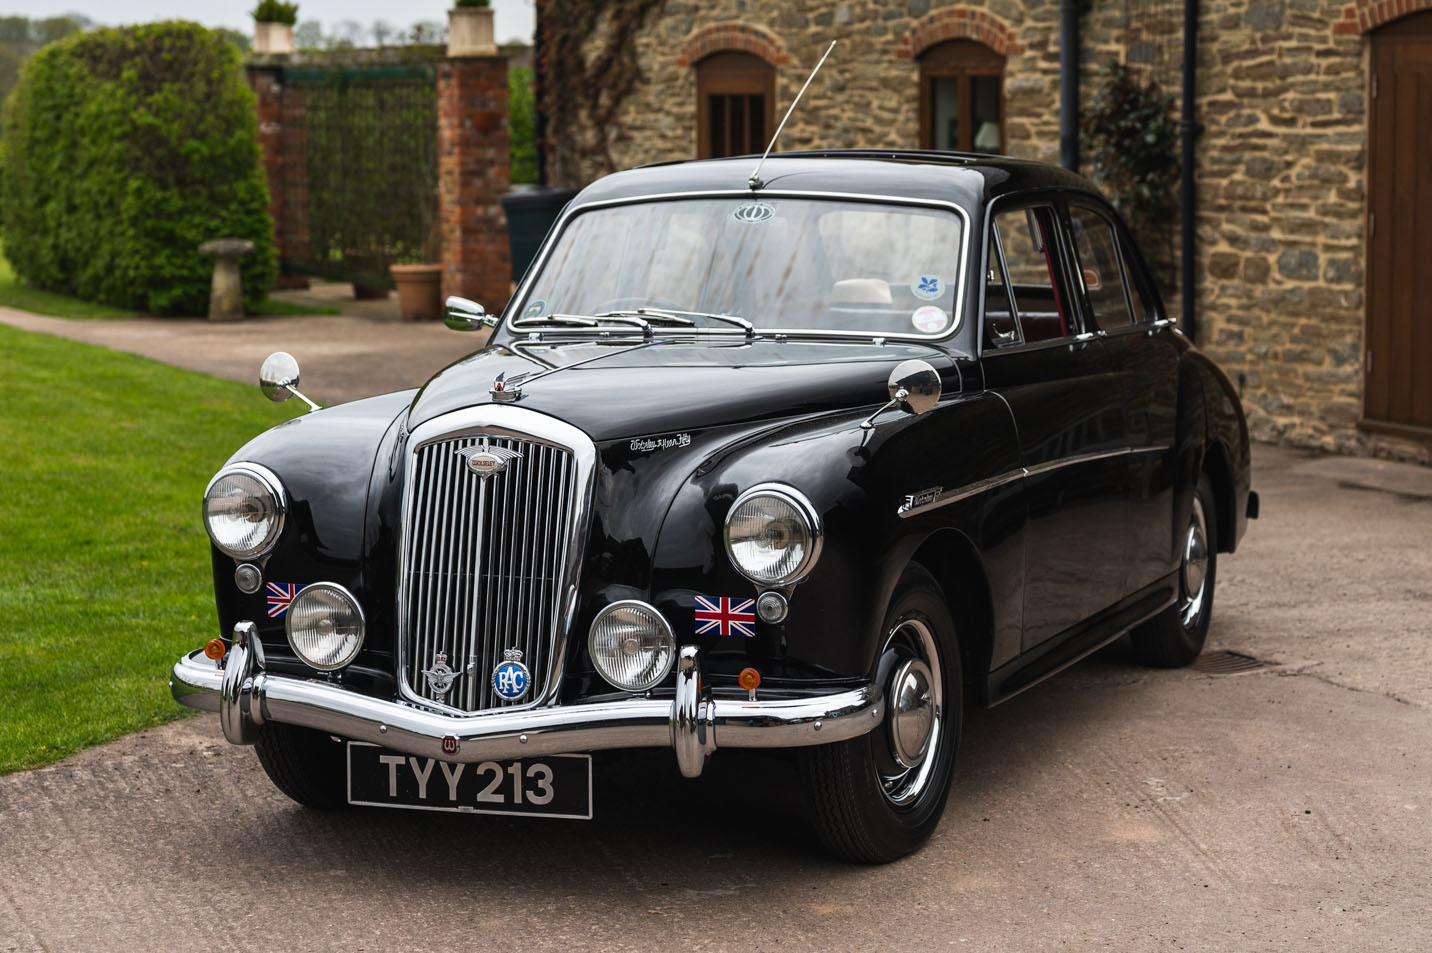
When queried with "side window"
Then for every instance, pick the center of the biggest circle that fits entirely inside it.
(1000, 325)
(1101, 270)
(1028, 258)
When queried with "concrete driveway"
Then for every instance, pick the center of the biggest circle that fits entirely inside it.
(1116, 807)
(343, 357)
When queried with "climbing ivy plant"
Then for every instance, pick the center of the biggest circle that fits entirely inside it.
(1133, 139)
(587, 67)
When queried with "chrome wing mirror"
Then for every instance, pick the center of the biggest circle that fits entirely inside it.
(914, 387)
(460, 314)
(278, 379)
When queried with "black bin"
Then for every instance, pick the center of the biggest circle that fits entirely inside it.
(531, 210)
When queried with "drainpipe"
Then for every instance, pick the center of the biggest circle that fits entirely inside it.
(1189, 129)
(1069, 84)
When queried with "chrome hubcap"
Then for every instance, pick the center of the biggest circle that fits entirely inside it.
(916, 715)
(912, 712)
(1195, 565)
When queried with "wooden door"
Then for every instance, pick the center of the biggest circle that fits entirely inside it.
(1398, 358)
(735, 101)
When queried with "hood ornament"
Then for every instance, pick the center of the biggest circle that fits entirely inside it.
(485, 459)
(440, 677)
(505, 390)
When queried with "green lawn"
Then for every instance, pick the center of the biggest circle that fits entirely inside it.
(16, 294)
(104, 564)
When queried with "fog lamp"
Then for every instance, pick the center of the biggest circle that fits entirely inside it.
(325, 626)
(631, 645)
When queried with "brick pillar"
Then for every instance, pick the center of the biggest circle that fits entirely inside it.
(473, 174)
(266, 82)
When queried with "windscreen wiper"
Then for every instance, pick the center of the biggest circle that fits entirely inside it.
(686, 316)
(600, 322)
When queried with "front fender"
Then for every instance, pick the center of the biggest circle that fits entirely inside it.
(857, 482)
(326, 462)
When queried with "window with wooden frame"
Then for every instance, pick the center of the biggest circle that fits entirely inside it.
(962, 97)
(735, 104)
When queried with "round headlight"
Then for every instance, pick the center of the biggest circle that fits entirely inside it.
(325, 626)
(632, 645)
(773, 535)
(243, 510)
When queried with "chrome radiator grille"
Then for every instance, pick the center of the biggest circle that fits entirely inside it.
(485, 566)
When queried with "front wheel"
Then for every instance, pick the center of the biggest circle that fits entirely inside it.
(306, 765)
(1175, 637)
(878, 797)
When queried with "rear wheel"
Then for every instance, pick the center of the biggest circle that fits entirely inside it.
(306, 765)
(876, 798)
(1175, 637)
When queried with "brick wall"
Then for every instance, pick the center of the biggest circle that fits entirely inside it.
(1282, 94)
(473, 173)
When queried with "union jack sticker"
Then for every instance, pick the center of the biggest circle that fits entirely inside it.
(718, 615)
(280, 597)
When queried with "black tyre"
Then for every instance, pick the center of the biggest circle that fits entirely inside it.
(306, 765)
(876, 798)
(1174, 637)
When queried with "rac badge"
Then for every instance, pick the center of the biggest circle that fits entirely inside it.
(485, 460)
(511, 678)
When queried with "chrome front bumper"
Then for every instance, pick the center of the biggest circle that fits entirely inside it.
(245, 696)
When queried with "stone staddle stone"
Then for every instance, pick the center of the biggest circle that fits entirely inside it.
(226, 295)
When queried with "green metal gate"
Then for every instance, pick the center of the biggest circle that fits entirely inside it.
(360, 171)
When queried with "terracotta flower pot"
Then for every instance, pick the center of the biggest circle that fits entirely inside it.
(419, 291)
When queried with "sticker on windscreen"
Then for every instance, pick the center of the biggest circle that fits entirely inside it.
(930, 319)
(753, 212)
(927, 287)
(535, 309)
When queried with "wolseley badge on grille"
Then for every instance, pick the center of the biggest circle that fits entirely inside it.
(511, 678)
(485, 460)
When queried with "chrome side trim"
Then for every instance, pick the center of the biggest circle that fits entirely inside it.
(945, 497)
(1049, 466)
(517, 423)
(572, 210)
(694, 725)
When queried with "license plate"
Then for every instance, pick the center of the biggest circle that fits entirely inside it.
(557, 785)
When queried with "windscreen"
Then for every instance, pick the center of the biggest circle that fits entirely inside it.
(779, 262)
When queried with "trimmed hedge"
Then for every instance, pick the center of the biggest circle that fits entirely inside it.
(124, 150)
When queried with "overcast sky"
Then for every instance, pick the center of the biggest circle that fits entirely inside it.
(512, 18)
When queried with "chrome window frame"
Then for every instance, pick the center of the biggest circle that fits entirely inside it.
(516, 422)
(519, 299)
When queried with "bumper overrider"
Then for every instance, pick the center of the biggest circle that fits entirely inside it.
(246, 697)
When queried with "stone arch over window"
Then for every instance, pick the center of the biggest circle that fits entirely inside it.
(961, 97)
(1364, 16)
(735, 104)
(958, 23)
(740, 37)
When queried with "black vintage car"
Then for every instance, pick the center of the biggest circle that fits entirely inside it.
(808, 463)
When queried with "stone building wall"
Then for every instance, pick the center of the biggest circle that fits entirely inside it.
(1282, 89)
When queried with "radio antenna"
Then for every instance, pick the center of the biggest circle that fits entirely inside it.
(755, 179)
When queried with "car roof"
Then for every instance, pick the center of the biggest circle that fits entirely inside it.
(965, 179)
